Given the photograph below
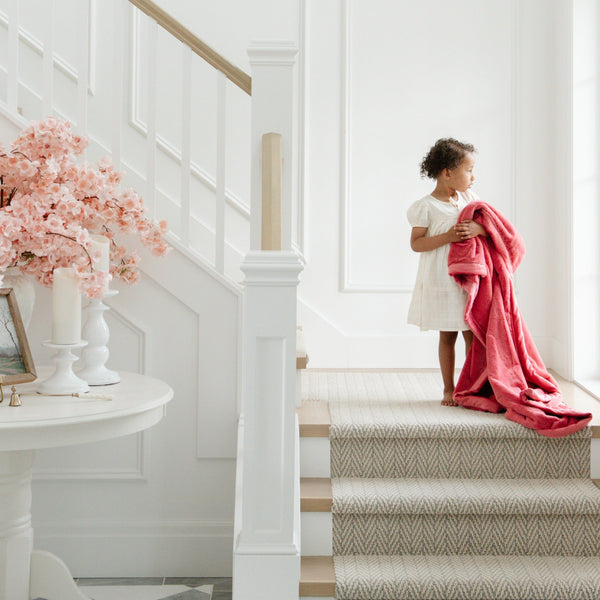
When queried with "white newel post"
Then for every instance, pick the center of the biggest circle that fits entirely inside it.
(267, 545)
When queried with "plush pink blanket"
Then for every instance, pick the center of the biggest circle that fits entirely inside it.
(503, 370)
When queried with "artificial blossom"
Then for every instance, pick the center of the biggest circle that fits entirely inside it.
(50, 204)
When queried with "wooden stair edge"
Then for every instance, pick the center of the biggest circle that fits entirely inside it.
(301, 361)
(317, 576)
(316, 494)
(314, 419)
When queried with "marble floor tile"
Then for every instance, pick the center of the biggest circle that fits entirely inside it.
(146, 592)
(121, 581)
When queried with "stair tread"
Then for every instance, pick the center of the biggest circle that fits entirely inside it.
(464, 496)
(315, 494)
(317, 576)
(314, 419)
(410, 577)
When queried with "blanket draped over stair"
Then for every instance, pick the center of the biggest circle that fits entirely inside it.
(503, 369)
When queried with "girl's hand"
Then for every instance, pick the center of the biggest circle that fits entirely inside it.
(453, 236)
(468, 229)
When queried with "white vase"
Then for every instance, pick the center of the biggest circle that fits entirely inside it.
(24, 292)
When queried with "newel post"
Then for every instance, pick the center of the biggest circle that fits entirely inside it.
(267, 545)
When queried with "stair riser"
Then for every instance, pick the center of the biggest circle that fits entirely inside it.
(459, 458)
(315, 457)
(317, 534)
(549, 535)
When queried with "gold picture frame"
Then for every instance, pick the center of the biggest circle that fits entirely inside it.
(16, 362)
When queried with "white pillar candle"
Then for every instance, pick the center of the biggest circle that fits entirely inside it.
(66, 307)
(101, 243)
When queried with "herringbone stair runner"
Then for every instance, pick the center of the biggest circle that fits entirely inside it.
(443, 503)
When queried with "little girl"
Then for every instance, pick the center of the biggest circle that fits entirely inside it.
(438, 302)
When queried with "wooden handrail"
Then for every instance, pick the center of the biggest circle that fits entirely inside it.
(175, 28)
(271, 192)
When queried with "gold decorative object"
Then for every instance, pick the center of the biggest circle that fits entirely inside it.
(15, 399)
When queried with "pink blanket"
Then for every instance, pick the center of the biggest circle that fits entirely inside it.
(503, 370)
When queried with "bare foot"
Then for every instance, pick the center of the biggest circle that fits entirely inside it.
(448, 400)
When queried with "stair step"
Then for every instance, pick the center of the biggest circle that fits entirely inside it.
(315, 494)
(314, 423)
(314, 420)
(316, 519)
(476, 457)
(466, 577)
(317, 576)
(461, 496)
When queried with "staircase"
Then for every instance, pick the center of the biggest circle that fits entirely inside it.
(214, 152)
(404, 499)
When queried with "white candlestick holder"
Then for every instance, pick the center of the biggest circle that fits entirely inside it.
(95, 355)
(63, 381)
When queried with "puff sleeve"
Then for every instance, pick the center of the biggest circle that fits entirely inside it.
(418, 215)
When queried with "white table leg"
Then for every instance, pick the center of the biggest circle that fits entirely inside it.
(25, 574)
(16, 534)
(51, 579)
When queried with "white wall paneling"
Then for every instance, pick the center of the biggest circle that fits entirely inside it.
(388, 107)
(12, 84)
(171, 546)
(35, 41)
(379, 96)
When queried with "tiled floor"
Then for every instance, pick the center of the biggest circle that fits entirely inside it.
(157, 588)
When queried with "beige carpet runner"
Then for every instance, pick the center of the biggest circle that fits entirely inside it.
(444, 503)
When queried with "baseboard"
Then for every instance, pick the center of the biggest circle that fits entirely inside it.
(154, 549)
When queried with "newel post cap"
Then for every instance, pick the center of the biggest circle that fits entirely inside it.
(274, 53)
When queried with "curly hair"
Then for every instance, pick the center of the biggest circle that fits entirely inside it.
(446, 153)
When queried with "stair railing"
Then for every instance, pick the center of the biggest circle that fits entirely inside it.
(35, 100)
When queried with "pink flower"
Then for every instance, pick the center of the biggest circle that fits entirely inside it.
(50, 204)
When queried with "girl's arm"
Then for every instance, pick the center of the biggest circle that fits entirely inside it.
(420, 243)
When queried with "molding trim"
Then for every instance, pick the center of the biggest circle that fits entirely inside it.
(60, 63)
(346, 285)
(345, 162)
(162, 144)
(87, 474)
(135, 472)
(139, 330)
(515, 47)
(301, 223)
(142, 529)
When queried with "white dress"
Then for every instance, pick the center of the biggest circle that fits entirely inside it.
(438, 302)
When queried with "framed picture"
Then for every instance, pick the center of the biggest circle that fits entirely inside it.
(16, 364)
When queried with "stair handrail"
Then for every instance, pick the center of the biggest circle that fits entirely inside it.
(184, 35)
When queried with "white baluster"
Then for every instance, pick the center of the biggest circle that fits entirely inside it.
(83, 68)
(220, 179)
(117, 82)
(12, 92)
(186, 137)
(150, 198)
(48, 60)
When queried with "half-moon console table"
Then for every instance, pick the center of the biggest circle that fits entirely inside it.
(138, 402)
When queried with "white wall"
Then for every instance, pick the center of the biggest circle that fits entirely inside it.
(384, 81)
